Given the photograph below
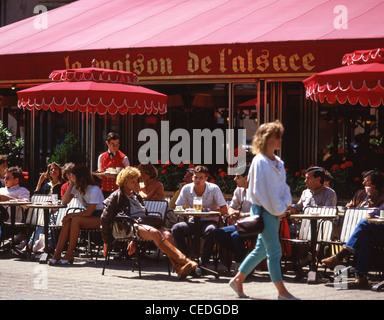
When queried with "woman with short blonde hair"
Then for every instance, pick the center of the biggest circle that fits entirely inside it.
(126, 200)
(126, 174)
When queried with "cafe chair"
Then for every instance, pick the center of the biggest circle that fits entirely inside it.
(350, 220)
(301, 244)
(158, 206)
(141, 246)
(32, 218)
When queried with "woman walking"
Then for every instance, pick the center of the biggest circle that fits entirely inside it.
(270, 197)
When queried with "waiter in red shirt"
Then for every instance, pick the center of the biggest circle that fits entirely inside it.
(112, 158)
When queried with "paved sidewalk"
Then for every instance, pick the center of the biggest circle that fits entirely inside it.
(25, 280)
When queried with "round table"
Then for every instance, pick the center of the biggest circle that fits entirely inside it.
(314, 218)
(376, 220)
(197, 215)
(47, 207)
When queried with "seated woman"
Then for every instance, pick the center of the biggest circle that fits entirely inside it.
(50, 182)
(66, 176)
(125, 200)
(90, 196)
(153, 189)
(54, 183)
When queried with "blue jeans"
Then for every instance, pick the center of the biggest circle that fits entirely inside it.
(229, 238)
(268, 245)
(361, 241)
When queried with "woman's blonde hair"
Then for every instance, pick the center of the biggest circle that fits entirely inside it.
(263, 133)
(128, 173)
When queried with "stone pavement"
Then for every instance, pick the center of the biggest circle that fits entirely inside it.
(26, 280)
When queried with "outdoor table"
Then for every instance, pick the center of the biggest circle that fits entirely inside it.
(314, 218)
(13, 204)
(380, 285)
(197, 215)
(47, 207)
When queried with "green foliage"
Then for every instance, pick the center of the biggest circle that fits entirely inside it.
(10, 147)
(68, 151)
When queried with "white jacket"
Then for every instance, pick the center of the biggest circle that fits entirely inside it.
(267, 185)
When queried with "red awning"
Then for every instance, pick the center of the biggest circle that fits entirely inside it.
(169, 39)
(114, 24)
(360, 81)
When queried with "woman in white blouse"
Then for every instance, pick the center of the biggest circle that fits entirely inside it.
(83, 187)
(270, 197)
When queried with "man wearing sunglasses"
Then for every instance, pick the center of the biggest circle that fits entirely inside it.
(13, 191)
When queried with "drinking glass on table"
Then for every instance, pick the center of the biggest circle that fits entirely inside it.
(197, 203)
(54, 199)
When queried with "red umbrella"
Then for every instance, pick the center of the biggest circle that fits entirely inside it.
(361, 80)
(93, 90)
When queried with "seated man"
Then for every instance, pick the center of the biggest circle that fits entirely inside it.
(365, 236)
(227, 237)
(212, 198)
(316, 193)
(186, 179)
(12, 190)
(171, 217)
(372, 196)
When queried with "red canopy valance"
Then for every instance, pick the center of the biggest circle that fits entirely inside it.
(93, 90)
(360, 81)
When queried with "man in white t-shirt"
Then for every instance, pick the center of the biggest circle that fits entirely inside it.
(212, 198)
